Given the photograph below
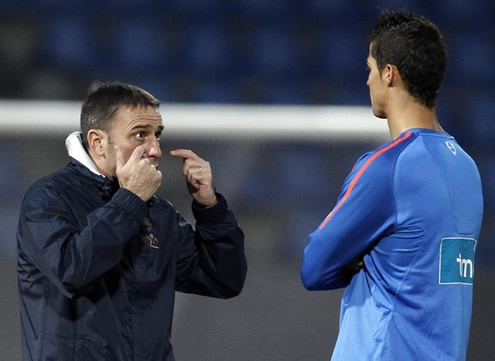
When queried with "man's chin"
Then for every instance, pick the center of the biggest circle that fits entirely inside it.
(378, 114)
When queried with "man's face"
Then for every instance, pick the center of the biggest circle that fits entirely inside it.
(376, 86)
(131, 127)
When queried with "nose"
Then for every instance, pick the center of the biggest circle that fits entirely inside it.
(154, 148)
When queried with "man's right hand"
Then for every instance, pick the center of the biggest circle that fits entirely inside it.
(137, 174)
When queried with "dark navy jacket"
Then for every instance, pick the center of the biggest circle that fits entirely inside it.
(98, 267)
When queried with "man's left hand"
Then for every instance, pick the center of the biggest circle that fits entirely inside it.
(199, 177)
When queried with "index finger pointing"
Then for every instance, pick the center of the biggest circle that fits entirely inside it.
(137, 154)
(184, 154)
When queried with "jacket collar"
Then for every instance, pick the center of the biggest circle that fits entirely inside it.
(74, 146)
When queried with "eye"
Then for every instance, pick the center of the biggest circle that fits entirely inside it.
(139, 135)
(158, 135)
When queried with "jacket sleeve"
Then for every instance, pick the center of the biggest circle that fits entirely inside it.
(364, 212)
(211, 259)
(71, 256)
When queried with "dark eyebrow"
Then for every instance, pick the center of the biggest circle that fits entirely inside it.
(147, 126)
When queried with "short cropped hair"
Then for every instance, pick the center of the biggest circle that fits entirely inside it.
(105, 99)
(415, 45)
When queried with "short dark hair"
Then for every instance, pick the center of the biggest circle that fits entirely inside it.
(103, 101)
(413, 44)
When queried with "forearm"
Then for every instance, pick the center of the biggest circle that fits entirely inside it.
(326, 261)
(223, 261)
(217, 266)
(317, 278)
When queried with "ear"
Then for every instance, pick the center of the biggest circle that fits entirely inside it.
(388, 75)
(96, 142)
(391, 75)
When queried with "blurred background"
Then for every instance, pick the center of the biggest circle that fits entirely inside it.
(250, 52)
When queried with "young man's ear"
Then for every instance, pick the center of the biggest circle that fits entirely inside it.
(96, 140)
(391, 75)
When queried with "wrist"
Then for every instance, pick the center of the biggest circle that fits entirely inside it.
(210, 203)
(213, 214)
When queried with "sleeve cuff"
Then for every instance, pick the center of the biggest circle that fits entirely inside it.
(214, 214)
(130, 203)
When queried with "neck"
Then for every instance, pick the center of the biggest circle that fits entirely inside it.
(411, 114)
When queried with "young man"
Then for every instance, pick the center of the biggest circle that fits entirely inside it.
(403, 233)
(101, 255)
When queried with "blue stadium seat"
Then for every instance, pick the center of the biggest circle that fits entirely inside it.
(207, 50)
(68, 43)
(217, 92)
(67, 7)
(127, 5)
(286, 92)
(466, 12)
(332, 9)
(471, 56)
(479, 112)
(159, 86)
(201, 7)
(486, 164)
(273, 8)
(274, 51)
(343, 53)
(138, 45)
(417, 6)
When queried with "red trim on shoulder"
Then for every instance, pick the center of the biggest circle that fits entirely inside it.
(360, 173)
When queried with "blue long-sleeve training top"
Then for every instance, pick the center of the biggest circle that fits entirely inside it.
(412, 209)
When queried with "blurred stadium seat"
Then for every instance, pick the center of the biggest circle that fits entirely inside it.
(479, 112)
(138, 45)
(67, 43)
(263, 8)
(343, 53)
(464, 12)
(207, 50)
(472, 55)
(273, 50)
(215, 92)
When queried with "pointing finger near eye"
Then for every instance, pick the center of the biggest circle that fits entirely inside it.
(137, 154)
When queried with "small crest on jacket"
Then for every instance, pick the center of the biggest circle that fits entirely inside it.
(150, 234)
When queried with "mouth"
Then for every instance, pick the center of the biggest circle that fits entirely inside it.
(155, 164)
